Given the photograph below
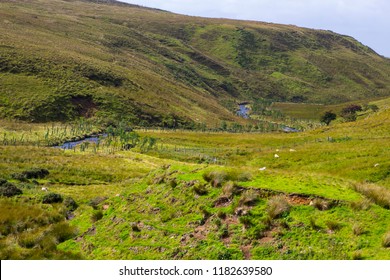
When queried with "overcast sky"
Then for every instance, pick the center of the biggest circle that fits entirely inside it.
(368, 21)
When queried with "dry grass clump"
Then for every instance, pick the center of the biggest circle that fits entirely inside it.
(378, 194)
(94, 203)
(363, 204)
(357, 255)
(277, 206)
(358, 229)
(320, 204)
(386, 240)
(230, 189)
(216, 178)
(249, 197)
(333, 225)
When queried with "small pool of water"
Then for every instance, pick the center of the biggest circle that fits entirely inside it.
(243, 111)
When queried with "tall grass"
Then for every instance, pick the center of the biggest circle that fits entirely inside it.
(377, 194)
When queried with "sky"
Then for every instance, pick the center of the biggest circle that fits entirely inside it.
(368, 21)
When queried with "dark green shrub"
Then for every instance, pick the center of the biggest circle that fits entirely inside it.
(327, 117)
(2, 182)
(8, 190)
(70, 204)
(34, 173)
(19, 176)
(52, 198)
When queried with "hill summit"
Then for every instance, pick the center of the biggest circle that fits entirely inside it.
(60, 60)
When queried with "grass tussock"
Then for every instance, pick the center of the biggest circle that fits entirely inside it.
(231, 189)
(277, 206)
(333, 225)
(386, 240)
(357, 255)
(377, 194)
(249, 197)
(320, 204)
(358, 229)
(363, 204)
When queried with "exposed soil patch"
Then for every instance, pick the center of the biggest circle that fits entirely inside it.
(298, 200)
(222, 201)
(246, 250)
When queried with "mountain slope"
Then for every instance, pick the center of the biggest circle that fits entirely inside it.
(64, 59)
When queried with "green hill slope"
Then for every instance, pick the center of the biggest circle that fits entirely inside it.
(64, 59)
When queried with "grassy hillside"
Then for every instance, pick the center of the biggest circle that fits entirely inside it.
(198, 195)
(71, 69)
(60, 60)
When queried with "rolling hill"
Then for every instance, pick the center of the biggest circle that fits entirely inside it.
(60, 60)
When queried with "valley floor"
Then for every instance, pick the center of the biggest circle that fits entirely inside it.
(323, 194)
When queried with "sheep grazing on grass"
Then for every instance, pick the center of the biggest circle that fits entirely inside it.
(292, 150)
(262, 168)
(44, 189)
(276, 156)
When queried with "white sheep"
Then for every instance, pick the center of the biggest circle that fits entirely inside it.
(276, 156)
(292, 150)
(262, 168)
(44, 189)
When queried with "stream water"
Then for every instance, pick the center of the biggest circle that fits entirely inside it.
(71, 144)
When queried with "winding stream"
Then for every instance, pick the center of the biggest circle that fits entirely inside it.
(71, 144)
